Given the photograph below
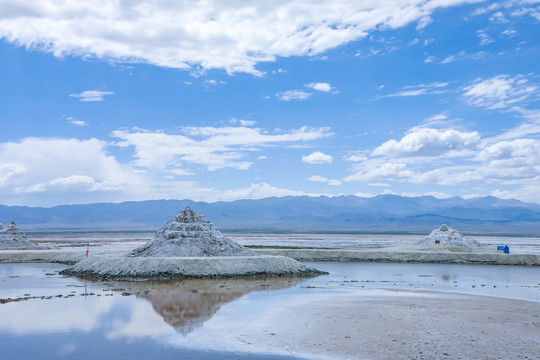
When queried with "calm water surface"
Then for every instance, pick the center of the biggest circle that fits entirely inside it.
(46, 316)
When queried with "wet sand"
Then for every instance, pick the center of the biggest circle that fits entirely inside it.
(401, 325)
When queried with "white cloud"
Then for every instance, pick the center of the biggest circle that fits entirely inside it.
(423, 22)
(429, 142)
(523, 151)
(462, 55)
(293, 95)
(46, 171)
(509, 32)
(214, 82)
(364, 195)
(242, 122)
(484, 10)
(76, 122)
(534, 12)
(321, 86)
(436, 118)
(376, 169)
(379, 184)
(515, 162)
(9, 170)
(92, 95)
(449, 59)
(257, 191)
(318, 178)
(485, 38)
(499, 17)
(356, 157)
(58, 166)
(317, 157)
(214, 148)
(234, 36)
(421, 89)
(502, 91)
(73, 180)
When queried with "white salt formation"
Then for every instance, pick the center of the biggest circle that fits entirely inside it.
(190, 234)
(13, 238)
(188, 246)
(447, 236)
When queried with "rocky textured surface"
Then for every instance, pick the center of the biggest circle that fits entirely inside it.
(447, 236)
(188, 246)
(13, 238)
(405, 254)
(411, 254)
(128, 268)
(190, 234)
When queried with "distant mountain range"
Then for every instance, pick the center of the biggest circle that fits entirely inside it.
(380, 214)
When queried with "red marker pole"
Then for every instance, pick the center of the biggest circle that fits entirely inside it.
(87, 247)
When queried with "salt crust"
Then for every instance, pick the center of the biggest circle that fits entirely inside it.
(13, 238)
(447, 236)
(188, 246)
(127, 268)
(190, 234)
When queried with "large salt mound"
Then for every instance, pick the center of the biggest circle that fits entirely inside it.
(447, 236)
(11, 238)
(190, 234)
(189, 246)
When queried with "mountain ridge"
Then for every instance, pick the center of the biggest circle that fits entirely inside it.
(347, 213)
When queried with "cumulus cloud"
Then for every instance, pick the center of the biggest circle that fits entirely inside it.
(76, 122)
(215, 148)
(51, 171)
(356, 157)
(92, 95)
(242, 122)
(499, 17)
(317, 157)
(515, 162)
(318, 178)
(321, 86)
(375, 169)
(234, 36)
(429, 142)
(51, 165)
(501, 91)
(523, 151)
(258, 191)
(293, 95)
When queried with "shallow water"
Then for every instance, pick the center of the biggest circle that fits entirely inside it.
(64, 317)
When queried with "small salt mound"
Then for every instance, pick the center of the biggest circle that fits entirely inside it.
(447, 236)
(190, 234)
(13, 238)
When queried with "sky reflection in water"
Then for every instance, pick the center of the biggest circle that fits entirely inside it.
(64, 317)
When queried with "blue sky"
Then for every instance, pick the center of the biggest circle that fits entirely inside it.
(228, 100)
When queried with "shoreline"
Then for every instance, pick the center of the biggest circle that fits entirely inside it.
(403, 254)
